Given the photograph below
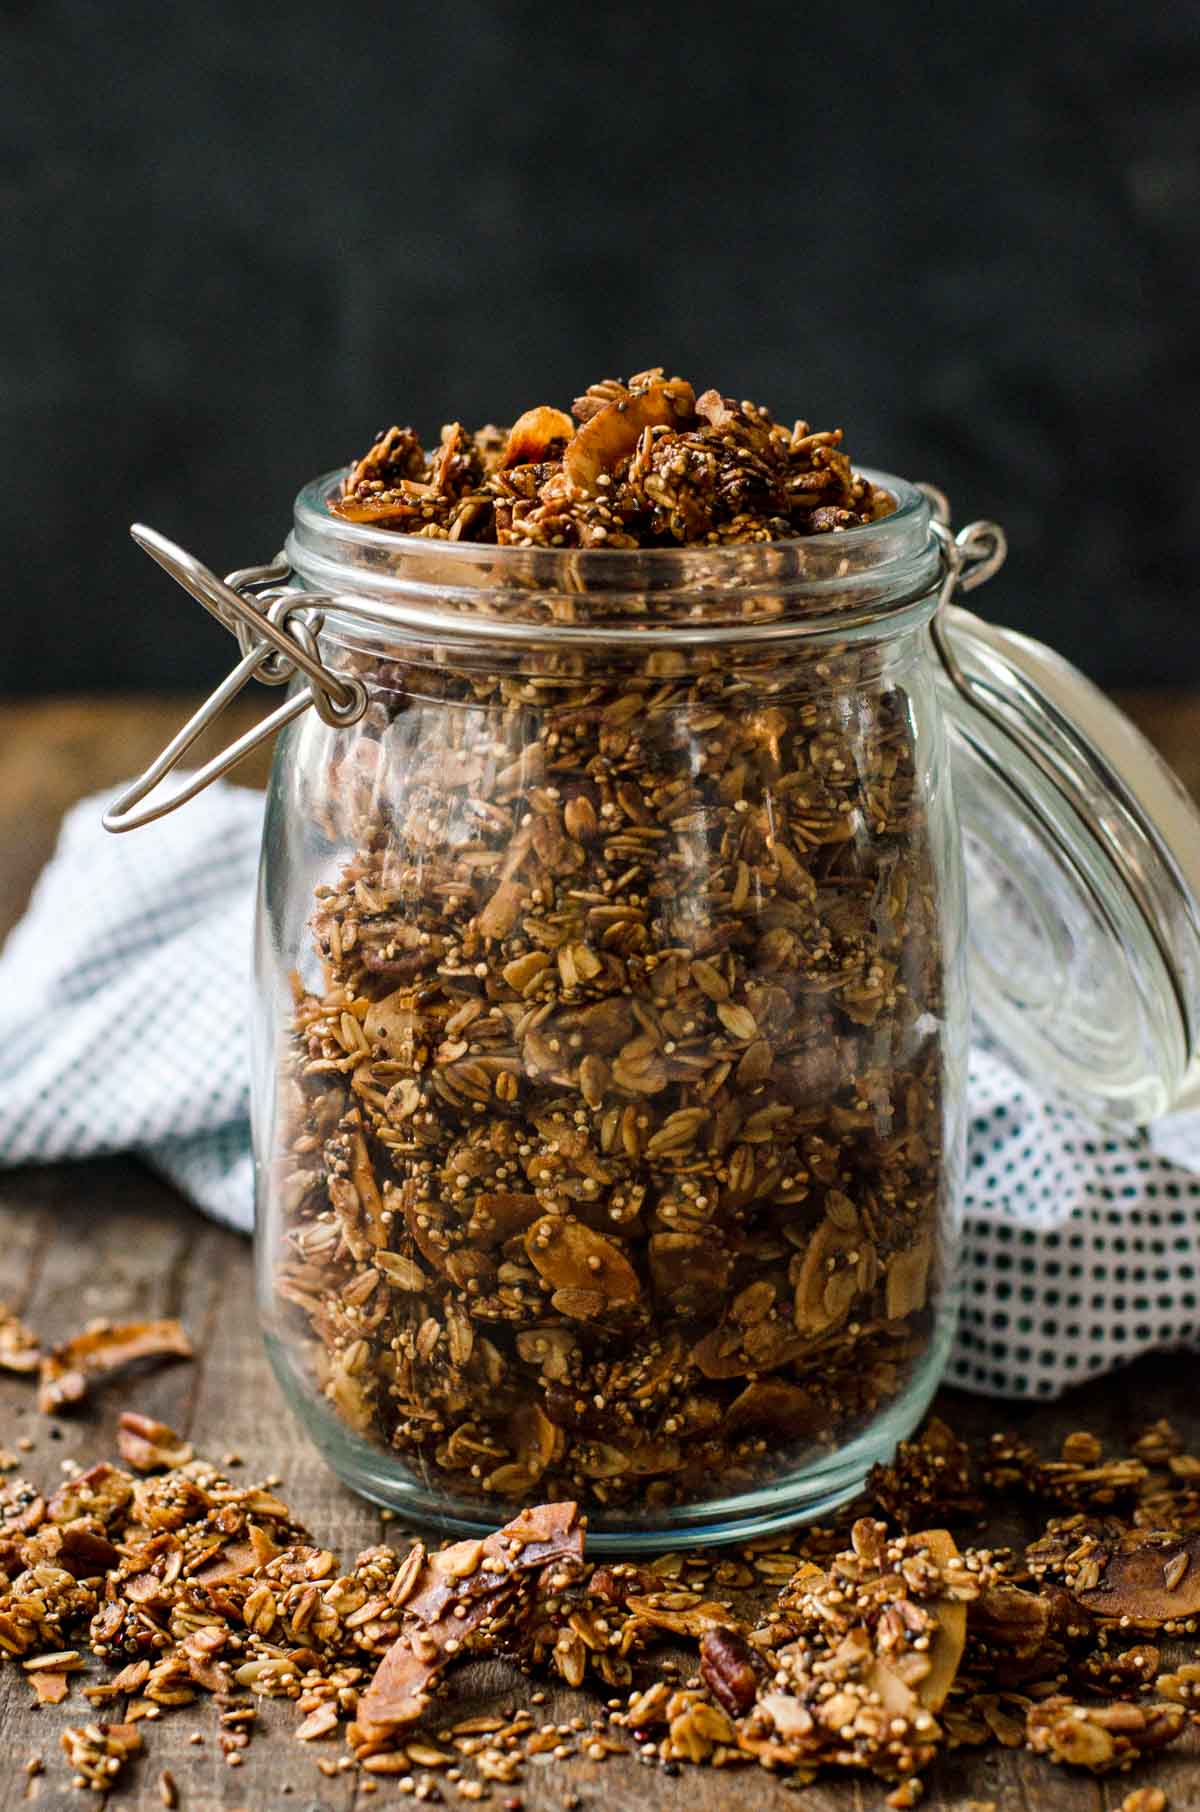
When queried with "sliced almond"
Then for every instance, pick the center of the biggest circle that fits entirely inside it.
(570, 1256)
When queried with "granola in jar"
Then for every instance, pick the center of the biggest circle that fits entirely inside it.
(612, 1103)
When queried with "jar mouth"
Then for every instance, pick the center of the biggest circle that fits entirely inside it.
(864, 580)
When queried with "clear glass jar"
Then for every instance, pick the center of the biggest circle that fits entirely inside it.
(612, 997)
(610, 1070)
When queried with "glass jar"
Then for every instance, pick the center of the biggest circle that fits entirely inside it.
(612, 997)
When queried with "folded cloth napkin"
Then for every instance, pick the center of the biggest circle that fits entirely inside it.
(124, 995)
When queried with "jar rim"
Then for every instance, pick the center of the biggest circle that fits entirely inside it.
(861, 580)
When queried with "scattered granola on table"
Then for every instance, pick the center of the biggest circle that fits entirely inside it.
(860, 1647)
(612, 1117)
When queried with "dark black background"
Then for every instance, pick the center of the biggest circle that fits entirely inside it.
(237, 239)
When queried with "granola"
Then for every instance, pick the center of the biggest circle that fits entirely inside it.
(18, 1347)
(870, 1650)
(466, 1597)
(147, 1445)
(1102, 1737)
(613, 1111)
(97, 1752)
(643, 464)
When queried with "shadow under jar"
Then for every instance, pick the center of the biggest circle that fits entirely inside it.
(610, 1055)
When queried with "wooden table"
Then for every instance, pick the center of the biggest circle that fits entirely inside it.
(110, 1239)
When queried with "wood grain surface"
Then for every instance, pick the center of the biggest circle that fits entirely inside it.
(111, 1239)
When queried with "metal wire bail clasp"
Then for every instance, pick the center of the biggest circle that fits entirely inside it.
(276, 630)
(969, 558)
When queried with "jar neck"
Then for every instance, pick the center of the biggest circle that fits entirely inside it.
(866, 583)
(539, 673)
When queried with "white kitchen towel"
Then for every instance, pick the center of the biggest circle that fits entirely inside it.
(123, 1027)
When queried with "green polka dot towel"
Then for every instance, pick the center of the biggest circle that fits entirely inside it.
(1081, 1249)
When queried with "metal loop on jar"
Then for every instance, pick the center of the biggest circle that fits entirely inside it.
(276, 631)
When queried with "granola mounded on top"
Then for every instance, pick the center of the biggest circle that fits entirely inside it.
(612, 1105)
(642, 464)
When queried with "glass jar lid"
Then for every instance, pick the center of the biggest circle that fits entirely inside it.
(1083, 877)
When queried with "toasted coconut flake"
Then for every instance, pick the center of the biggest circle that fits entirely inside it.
(539, 434)
(67, 1371)
(1148, 1579)
(612, 434)
(946, 1649)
